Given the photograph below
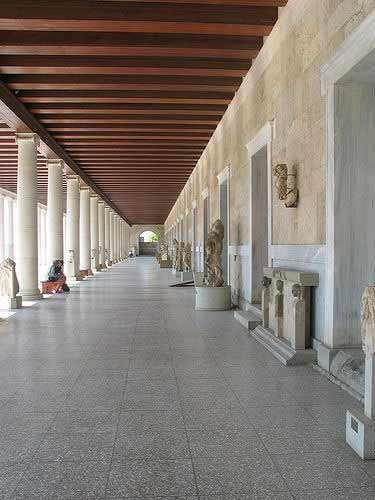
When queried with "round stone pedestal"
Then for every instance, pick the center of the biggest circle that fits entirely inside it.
(213, 299)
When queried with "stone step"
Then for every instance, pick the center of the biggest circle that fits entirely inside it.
(281, 350)
(255, 309)
(247, 319)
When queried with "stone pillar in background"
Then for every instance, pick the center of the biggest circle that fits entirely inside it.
(107, 255)
(116, 237)
(101, 234)
(84, 232)
(72, 228)
(111, 237)
(55, 211)
(8, 228)
(94, 232)
(27, 216)
(43, 257)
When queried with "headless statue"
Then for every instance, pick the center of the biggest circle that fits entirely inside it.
(214, 247)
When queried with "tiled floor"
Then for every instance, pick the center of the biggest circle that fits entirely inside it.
(121, 390)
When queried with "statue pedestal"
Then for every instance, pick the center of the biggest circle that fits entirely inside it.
(186, 275)
(11, 302)
(213, 298)
(360, 434)
(360, 427)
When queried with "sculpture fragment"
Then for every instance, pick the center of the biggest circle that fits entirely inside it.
(187, 257)
(9, 286)
(214, 247)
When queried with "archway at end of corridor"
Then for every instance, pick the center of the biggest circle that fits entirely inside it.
(148, 243)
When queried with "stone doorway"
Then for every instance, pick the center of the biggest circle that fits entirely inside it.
(148, 243)
(259, 222)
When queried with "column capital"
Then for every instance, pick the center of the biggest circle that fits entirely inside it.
(72, 177)
(27, 136)
(84, 188)
(93, 194)
(55, 162)
(101, 202)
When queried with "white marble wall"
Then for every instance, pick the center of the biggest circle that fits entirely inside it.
(354, 207)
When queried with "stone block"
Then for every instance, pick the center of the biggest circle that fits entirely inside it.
(360, 434)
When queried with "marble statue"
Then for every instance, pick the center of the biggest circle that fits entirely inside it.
(187, 257)
(175, 249)
(8, 279)
(180, 257)
(368, 320)
(164, 251)
(214, 247)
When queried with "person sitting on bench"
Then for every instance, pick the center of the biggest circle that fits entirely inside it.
(57, 276)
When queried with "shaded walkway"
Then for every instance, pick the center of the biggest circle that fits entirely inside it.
(121, 390)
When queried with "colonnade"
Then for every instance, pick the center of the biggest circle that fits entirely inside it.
(95, 236)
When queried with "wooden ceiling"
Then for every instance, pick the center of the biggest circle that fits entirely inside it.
(132, 90)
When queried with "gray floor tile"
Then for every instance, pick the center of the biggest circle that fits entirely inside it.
(63, 481)
(221, 476)
(147, 478)
(225, 443)
(322, 471)
(151, 445)
(76, 447)
(10, 475)
(337, 494)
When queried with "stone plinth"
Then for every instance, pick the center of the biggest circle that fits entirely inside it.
(11, 302)
(213, 298)
(286, 309)
(360, 434)
(186, 275)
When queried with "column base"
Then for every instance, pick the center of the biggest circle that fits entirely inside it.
(31, 294)
(109, 263)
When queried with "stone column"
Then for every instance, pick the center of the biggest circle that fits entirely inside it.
(1, 228)
(44, 256)
(55, 211)
(94, 232)
(114, 248)
(84, 232)
(107, 255)
(116, 237)
(122, 241)
(72, 228)
(8, 228)
(101, 224)
(111, 237)
(27, 216)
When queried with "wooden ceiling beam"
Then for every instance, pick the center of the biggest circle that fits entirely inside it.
(132, 120)
(109, 15)
(88, 109)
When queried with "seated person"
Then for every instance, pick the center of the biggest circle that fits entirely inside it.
(56, 275)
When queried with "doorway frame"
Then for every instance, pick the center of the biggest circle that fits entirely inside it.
(221, 178)
(263, 138)
(359, 44)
